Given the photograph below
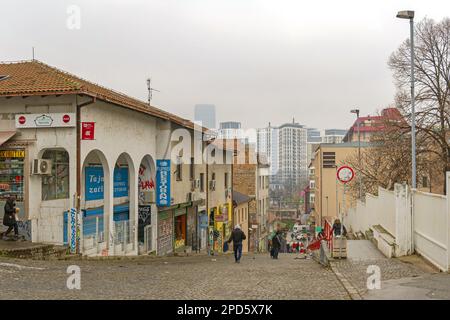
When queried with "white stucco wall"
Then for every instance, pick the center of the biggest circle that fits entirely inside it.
(47, 216)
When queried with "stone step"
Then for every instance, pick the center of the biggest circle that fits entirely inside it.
(35, 251)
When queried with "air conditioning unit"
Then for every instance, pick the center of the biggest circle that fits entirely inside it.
(149, 196)
(41, 166)
(212, 185)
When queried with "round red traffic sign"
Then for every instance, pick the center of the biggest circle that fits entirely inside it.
(345, 174)
(22, 119)
(66, 118)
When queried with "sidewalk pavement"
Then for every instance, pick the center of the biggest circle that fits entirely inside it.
(405, 278)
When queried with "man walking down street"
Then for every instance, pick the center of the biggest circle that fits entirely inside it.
(237, 236)
(276, 244)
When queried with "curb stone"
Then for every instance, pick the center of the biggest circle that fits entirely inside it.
(351, 290)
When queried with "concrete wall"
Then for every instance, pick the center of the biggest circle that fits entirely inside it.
(410, 221)
(431, 227)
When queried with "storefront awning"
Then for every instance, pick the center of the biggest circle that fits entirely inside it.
(5, 136)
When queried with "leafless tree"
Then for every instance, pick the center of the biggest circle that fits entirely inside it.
(432, 83)
(387, 160)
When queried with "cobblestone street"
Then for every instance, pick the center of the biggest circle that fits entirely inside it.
(195, 277)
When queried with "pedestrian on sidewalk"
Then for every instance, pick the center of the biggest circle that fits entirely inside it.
(237, 236)
(9, 219)
(276, 244)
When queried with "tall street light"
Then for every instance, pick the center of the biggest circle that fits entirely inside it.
(356, 111)
(410, 15)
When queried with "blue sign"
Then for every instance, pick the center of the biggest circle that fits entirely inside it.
(94, 183)
(163, 183)
(73, 231)
(120, 182)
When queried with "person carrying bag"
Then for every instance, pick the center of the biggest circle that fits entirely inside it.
(9, 219)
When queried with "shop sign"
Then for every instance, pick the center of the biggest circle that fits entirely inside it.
(46, 120)
(94, 183)
(163, 183)
(12, 154)
(203, 220)
(87, 130)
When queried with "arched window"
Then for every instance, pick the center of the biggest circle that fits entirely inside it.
(56, 185)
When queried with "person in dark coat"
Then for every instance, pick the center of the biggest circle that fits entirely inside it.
(338, 228)
(9, 219)
(276, 244)
(237, 236)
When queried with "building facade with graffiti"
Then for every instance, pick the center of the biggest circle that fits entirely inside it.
(92, 168)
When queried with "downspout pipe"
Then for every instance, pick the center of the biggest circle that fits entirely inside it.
(78, 165)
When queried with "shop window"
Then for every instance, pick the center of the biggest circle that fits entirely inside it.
(56, 185)
(12, 178)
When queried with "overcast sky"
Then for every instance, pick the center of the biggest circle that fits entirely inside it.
(256, 60)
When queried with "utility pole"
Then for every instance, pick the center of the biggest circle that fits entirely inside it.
(410, 15)
(358, 125)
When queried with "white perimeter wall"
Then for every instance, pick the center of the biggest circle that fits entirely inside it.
(418, 221)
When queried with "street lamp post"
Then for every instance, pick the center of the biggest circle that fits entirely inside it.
(410, 15)
(358, 123)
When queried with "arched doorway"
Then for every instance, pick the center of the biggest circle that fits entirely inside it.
(125, 208)
(146, 203)
(96, 203)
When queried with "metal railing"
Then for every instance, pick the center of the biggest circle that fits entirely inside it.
(124, 234)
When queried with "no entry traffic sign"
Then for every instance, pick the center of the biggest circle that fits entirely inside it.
(345, 174)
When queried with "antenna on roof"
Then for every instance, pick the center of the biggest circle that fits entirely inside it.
(32, 52)
(150, 90)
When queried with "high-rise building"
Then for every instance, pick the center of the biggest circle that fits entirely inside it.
(333, 135)
(314, 136)
(267, 145)
(292, 154)
(230, 130)
(313, 139)
(206, 113)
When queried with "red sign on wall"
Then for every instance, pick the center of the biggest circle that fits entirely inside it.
(87, 130)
